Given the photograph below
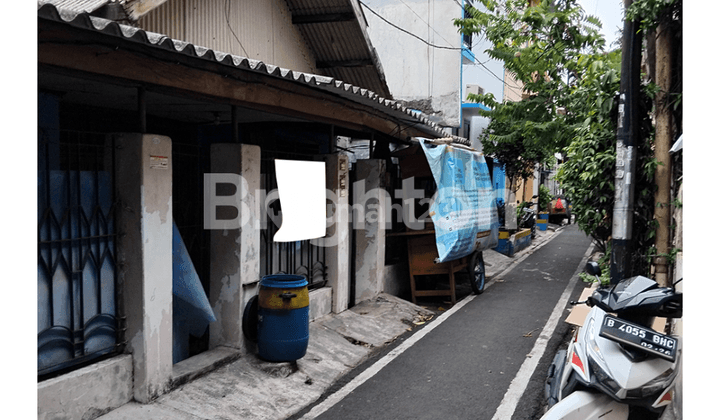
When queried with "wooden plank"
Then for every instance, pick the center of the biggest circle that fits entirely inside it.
(422, 252)
(432, 293)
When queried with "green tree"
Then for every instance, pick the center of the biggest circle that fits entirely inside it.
(555, 50)
(587, 175)
(541, 46)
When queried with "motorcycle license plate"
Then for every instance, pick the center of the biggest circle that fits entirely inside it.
(634, 335)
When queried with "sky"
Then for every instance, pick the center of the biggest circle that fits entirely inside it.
(610, 13)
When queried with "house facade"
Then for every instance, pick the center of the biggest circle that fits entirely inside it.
(136, 107)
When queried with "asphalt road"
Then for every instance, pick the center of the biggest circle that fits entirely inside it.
(463, 368)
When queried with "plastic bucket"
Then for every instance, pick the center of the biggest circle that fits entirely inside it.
(542, 224)
(283, 329)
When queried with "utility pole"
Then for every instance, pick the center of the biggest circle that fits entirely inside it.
(628, 118)
(663, 140)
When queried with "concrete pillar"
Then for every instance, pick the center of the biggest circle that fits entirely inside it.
(372, 200)
(336, 241)
(235, 251)
(144, 252)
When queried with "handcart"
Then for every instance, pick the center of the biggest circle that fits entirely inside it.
(421, 244)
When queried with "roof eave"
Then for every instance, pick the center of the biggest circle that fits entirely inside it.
(408, 123)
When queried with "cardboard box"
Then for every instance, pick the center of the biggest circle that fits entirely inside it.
(580, 311)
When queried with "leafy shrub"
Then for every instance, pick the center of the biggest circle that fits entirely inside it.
(544, 197)
(588, 174)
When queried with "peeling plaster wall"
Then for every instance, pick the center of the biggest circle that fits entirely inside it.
(336, 241)
(415, 72)
(370, 241)
(144, 250)
(235, 253)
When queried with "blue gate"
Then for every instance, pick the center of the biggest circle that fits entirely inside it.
(77, 312)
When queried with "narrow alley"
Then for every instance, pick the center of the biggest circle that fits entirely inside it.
(469, 366)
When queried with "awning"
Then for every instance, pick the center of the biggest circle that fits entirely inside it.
(391, 110)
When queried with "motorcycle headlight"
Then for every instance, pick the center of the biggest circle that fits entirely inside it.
(592, 345)
(602, 377)
(654, 386)
(597, 362)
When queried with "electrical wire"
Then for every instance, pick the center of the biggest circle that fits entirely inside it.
(423, 20)
(408, 32)
(516, 89)
(436, 46)
(227, 20)
(431, 53)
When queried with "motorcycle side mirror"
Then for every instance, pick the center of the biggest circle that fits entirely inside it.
(592, 268)
(675, 284)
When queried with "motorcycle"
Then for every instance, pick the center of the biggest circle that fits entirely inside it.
(617, 366)
(500, 203)
(527, 218)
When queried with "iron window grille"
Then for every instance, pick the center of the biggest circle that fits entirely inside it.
(78, 316)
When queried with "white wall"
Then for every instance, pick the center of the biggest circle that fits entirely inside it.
(144, 257)
(426, 77)
(477, 125)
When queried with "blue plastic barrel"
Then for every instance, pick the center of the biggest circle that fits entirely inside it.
(283, 328)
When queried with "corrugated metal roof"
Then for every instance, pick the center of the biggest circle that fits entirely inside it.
(340, 45)
(77, 6)
(347, 91)
(335, 30)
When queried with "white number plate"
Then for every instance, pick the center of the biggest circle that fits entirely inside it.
(634, 335)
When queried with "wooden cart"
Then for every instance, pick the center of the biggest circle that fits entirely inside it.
(422, 248)
(422, 252)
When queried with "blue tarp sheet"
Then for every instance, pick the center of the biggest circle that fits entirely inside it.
(464, 208)
(192, 312)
